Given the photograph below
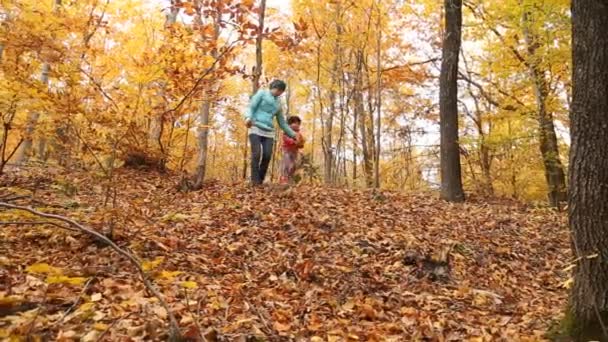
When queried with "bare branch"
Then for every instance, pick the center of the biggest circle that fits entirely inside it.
(172, 321)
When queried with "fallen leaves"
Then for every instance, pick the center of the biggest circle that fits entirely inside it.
(328, 266)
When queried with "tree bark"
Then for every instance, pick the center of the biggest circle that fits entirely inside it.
(588, 176)
(156, 127)
(451, 178)
(549, 149)
(379, 101)
(327, 139)
(257, 72)
(25, 150)
(360, 115)
(204, 112)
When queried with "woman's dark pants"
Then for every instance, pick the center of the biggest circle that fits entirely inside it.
(261, 153)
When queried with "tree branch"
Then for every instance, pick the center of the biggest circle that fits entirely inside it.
(174, 326)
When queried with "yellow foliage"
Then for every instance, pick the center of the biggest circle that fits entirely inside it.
(150, 265)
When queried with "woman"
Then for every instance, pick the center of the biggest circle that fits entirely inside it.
(264, 106)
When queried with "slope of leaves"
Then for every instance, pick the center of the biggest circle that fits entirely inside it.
(237, 263)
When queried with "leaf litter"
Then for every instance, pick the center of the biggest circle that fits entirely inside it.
(278, 264)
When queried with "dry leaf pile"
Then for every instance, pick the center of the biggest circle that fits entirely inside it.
(276, 264)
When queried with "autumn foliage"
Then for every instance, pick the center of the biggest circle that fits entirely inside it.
(235, 263)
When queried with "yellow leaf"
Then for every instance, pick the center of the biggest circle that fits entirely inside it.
(43, 268)
(100, 326)
(316, 339)
(175, 217)
(170, 275)
(189, 284)
(86, 307)
(150, 265)
(61, 279)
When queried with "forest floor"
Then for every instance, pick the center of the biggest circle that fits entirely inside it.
(236, 263)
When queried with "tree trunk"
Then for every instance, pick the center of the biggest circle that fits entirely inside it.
(257, 71)
(156, 126)
(327, 141)
(451, 179)
(25, 150)
(379, 102)
(588, 176)
(32, 120)
(360, 115)
(549, 149)
(203, 116)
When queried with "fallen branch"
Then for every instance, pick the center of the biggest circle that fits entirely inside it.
(174, 326)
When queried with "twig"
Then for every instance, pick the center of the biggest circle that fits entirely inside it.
(172, 321)
(73, 306)
(105, 332)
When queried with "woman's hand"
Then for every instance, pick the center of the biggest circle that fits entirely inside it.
(248, 123)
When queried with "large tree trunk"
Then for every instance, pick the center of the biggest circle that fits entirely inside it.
(554, 170)
(204, 112)
(451, 178)
(588, 176)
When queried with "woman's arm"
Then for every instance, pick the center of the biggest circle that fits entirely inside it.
(254, 102)
(283, 124)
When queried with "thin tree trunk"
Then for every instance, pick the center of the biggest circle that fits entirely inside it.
(588, 176)
(379, 102)
(25, 150)
(549, 149)
(257, 71)
(327, 141)
(361, 115)
(156, 126)
(451, 178)
(204, 112)
(355, 118)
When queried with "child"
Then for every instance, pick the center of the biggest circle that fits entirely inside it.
(290, 151)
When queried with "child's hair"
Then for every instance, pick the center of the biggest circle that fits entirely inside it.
(294, 119)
